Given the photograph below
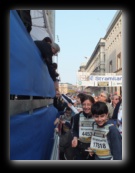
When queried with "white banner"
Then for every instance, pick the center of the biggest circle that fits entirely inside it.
(84, 79)
(105, 78)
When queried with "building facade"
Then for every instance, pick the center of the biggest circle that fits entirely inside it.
(113, 48)
(107, 56)
(65, 88)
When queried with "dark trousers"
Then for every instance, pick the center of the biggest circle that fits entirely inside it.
(80, 153)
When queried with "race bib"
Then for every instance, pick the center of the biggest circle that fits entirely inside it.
(100, 146)
(85, 129)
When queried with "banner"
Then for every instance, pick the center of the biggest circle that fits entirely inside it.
(112, 80)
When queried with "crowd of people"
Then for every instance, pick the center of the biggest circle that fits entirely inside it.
(95, 132)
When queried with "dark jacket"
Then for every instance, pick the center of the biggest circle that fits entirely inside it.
(26, 18)
(59, 104)
(45, 49)
(115, 143)
(46, 53)
(116, 109)
(80, 153)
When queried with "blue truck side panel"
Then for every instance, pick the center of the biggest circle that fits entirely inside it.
(31, 135)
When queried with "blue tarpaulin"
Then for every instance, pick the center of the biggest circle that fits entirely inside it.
(28, 73)
(31, 135)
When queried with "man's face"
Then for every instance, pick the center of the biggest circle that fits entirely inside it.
(102, 97)
(115, 100)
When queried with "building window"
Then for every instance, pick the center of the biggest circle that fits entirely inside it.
(110, 67)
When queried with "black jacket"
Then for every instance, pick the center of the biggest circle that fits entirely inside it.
(116, 109)
(46, 53)
(59, 104)
(26, 18)
(45, 49)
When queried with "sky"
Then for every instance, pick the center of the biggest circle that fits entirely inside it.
(77, 32)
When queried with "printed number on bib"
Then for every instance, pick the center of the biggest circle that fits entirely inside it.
(86, 133)
(99, 145)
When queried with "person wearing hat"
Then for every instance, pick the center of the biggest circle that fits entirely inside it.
(106, 141)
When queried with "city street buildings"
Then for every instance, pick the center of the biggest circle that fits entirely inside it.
(106, 58)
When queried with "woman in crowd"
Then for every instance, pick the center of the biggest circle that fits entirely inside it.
(81, 129)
